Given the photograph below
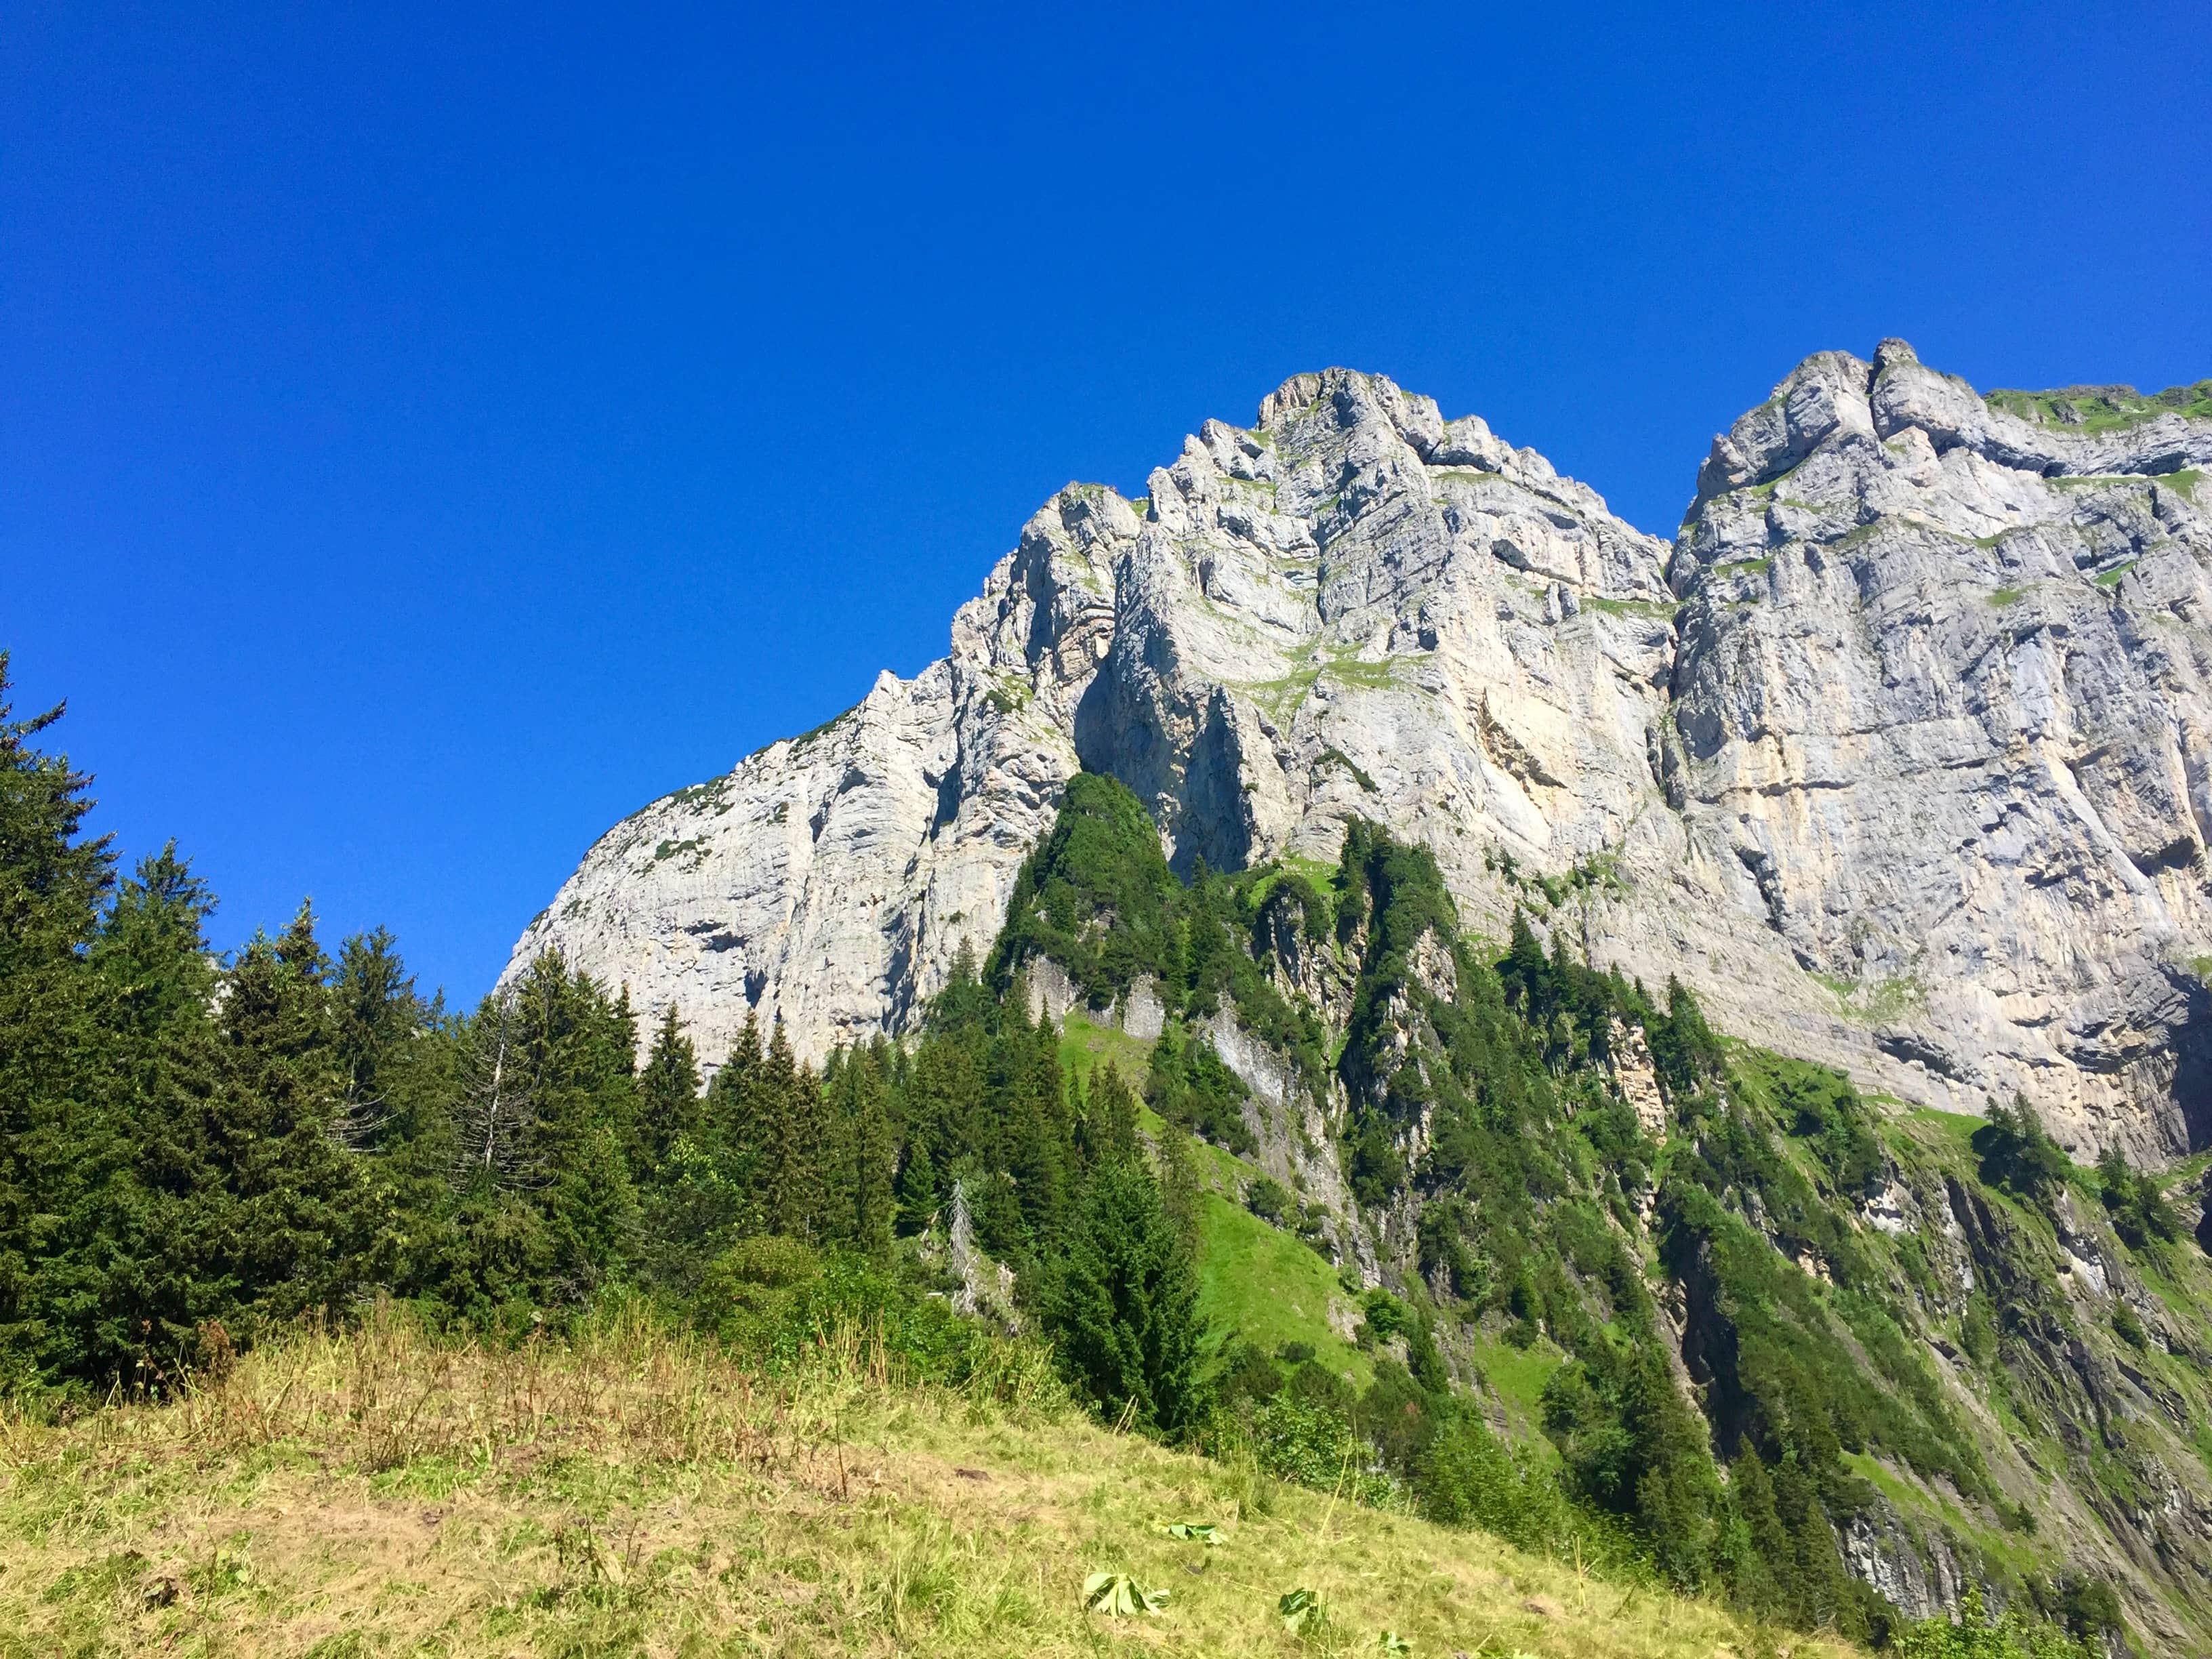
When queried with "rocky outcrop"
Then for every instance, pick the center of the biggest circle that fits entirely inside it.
(1943, 698)
(1901, 753)
(830, 880)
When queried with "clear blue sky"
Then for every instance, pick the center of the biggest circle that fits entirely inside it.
(424, 439)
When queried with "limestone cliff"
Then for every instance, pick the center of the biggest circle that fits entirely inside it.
(1899, 754)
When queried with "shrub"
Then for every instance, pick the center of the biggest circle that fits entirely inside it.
(1265, 1197)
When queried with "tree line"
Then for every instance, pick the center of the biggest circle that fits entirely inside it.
(195, 1145)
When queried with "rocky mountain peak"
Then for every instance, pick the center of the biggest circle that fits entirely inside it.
(1897, 753)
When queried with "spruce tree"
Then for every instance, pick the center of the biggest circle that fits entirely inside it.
(1123, 1307)
(860, 1101)
(549, 1212)
(1108, 1129)
(668, 1103)
(495, 1117)
(51, 885)
(1030, 1142)
(730, 1114)
(916, 1189)
(265, 1214)
(790, 1127)
(375, 1018)
(115, 1174)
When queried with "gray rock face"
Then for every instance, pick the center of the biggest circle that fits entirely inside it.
(1944, 694)
(1899, 755)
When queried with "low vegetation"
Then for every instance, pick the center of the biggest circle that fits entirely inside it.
(615, 1335)
(632, 1488)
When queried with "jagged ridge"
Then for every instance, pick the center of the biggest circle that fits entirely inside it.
(1899, 756)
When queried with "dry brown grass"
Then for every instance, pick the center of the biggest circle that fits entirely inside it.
(635, 1490)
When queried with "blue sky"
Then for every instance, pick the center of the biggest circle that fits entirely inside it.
(426, 438)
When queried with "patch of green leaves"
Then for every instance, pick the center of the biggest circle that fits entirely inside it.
(1120, 1596)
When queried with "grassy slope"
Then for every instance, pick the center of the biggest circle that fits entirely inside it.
(1266, 1286)
(638, 1492)
(1257, 1281)
(1084, 1043)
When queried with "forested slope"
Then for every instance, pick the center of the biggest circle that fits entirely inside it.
(1284, 1166)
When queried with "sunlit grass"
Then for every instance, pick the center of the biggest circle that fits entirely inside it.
(638, 1491)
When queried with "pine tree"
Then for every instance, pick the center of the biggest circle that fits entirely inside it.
(860, 1096)
(375, 1018)
(51, 885)
(1122, 1308)
(1029, 1142)
(119, 1168)
(496, 1118)
(1109, 1124)
(790, 1127)
(1759, 1580)
(730, 1114)
(248, 1208)
(668, 1101)
(549, 1212)
(403, 1065)
(579, 1050)
(916, 1189)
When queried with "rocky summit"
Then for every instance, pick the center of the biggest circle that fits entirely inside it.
(1900, 753)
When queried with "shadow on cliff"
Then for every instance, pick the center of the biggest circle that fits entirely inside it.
(1199, 804)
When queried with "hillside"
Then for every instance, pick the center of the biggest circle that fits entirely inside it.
(637, 1491)
(1655, 1253)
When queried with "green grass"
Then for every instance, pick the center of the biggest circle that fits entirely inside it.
(1369, 676)
(640, 1491)
(2096, 409)
(1629, 607)
(1319, 871)
(2111, 578)
(1257, 1281)
(1281, 698)
(1517, 1376)
(1872, 1002)
(1085, 1044)
(1951, 1131)
(1265, 1286)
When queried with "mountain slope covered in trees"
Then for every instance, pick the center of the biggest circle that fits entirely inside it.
(1831, 1358)
(1284, 1165)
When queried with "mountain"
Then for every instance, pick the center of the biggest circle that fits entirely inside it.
(1901, 756)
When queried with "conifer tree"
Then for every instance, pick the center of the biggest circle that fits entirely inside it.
(942, 1104)
(375, 1018)
(1109, 1123)
(730, 1114)
(668, 1101)
(916, 1189)
(549, 1210)
(496, 1117)
(267, 1214)
(860, 1101)
(109, 1178)
(1029, 1143)
(51, 885)
(790, 1125)
(1123, 1307)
